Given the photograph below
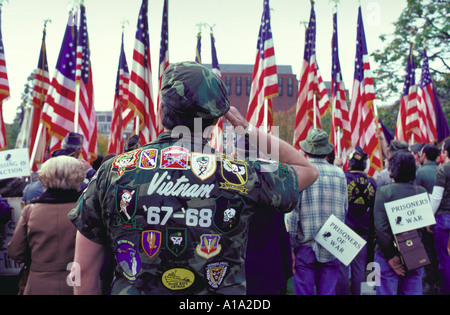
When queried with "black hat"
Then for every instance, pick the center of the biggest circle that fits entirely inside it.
(358, 154)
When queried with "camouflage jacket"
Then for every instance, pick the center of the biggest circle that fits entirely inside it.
(176, 219)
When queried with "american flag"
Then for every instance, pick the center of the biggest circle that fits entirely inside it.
(141, 90)
(72, 69)
(87, 116)
(264, 78)
(120, 107)
(362, 116)
(198, 49)
(408, 116)
(4, 89)
(311, 84)
(41, 85)
(340, 118)
(58, 111)
(216, 139)
(434, 126)
(163, 59)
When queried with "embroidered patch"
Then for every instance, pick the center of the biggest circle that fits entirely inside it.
(151, 242)
(227, 214)
(203, 165)
(215, 273)
(148, 159)
(128, 259)
(176, 240)
(209, 246)
(178, 279)
(125, 162)
(235, 175)
(174, 158)
(126, 206)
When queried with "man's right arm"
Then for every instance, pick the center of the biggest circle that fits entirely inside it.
(89, 258)
(306, 172)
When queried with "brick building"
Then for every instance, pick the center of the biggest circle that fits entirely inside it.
(238, 79)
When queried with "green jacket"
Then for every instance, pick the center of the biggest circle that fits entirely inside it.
(175, 215)
(383, 232)
(442, 179)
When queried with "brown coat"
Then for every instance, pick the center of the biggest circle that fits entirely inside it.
(50, 236)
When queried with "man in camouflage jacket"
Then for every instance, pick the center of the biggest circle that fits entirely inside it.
(174, 213)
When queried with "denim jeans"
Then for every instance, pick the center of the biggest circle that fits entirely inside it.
(355, 273)
(311, 274)
(391, 283)
(441, 236)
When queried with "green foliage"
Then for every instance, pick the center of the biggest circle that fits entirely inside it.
(426, 23)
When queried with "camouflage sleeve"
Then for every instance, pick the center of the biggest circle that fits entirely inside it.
(87, 214)
(278, 185)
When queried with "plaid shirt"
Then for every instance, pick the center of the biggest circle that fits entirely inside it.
(328, 195)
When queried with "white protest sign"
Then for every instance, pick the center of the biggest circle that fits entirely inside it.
(8, 267)
(340, 240)
(409, 213)
(14, 163)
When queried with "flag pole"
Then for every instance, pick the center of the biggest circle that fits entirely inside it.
(77, 82)
(38, 136)
(266, 114)
(39, 132)
(375, 114)
(314, 111)
(137, 125)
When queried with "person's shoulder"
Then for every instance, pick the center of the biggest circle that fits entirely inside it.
(334, 169)
(445, 167)
(421, 189)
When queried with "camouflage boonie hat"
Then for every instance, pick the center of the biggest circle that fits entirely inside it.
(193, 90)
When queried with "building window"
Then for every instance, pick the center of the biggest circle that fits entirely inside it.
(280, 86)
(238, 85)
(248, 85)
(290, 87)
(228, 84)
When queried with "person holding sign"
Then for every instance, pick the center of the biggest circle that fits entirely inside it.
(315, 266)
(394, 276)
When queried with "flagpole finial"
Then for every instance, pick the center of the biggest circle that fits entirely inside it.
(46, 21)
(336, 3)
(200, 26)
(124, 22)
(304, 23)
(210, 27)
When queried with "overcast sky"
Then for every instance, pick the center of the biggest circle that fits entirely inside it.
(236, 29)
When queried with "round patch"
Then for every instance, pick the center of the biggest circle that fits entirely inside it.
(178, 279)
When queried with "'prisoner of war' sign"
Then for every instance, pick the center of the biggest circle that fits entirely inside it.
(340, 240)
(14, 163)
(409, 213)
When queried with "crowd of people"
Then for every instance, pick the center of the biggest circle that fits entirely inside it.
(175, 217)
